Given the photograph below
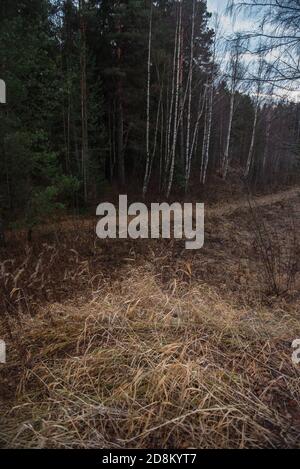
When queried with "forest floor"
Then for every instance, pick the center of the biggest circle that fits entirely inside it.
(143, 344)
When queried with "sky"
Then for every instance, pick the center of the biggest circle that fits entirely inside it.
(229, 27)
(242, 23)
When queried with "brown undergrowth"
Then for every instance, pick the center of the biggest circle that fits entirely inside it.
(144, 344)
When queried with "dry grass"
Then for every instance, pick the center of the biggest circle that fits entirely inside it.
(142, 367)
(124, 346)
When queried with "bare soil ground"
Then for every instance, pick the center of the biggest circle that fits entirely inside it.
(127, 344)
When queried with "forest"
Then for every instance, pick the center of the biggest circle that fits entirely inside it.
(105, 96)
(133, 343)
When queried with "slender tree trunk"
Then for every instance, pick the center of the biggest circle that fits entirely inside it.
(188, 132)
(120, 139)
(69, 128)
(226, 153)
(170, 116)
(84, 117)
(235, 79)
(161, 156)
(208, 125)
(181, 102)
(176, 122)
(111, 138)
(204, 143)
(266, 149)
(166, 138)
(152, 156)
(76, 149)
(120, 122)
(251, 149)
(7, 175)
(201, 107)
(2, 234)
(146, 177)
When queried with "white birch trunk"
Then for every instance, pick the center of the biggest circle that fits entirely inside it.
(204, 141)
(176, 121)
(151, 158)
(208, 134)
(251, 149)
(170, 117)
(188, 134)
(226, 153)
(195, 135)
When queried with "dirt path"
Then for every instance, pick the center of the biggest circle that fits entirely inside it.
(216, 210)
(262, 201)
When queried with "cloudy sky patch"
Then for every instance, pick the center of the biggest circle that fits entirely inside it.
(228, 24)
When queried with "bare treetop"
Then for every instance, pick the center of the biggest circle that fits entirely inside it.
(277, 34)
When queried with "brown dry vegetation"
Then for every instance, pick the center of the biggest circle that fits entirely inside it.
(144, 344)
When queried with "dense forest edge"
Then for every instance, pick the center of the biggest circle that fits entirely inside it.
(133, 97)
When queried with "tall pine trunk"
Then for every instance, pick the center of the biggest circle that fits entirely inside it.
(120, 138)
(120, 121)
(84, 114)
(148, 163)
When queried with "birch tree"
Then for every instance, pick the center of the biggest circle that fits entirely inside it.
(210, 103)
(257, 103)
(207, 132)
(276, 30)
(147, 172)
(176, 106)
(188, 155)
(176, 55)
(234, 76)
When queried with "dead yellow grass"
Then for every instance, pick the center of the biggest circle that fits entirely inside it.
(142, 364)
